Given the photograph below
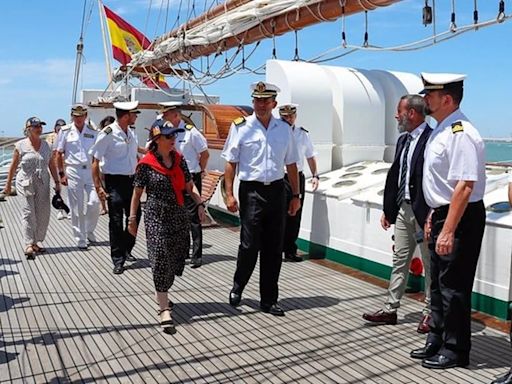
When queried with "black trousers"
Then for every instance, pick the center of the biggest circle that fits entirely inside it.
(452, 281)
(119, 189)
(292, 223)
(196, 228)
(262, 212)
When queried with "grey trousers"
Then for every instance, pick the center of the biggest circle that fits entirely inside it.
(36, 209)
(406, 228)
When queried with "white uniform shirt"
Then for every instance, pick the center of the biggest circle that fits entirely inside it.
(450, 157)
(117, 150)
(261, 153)
(415, 136)
(191, 144)
(75, 145)
(304, 146)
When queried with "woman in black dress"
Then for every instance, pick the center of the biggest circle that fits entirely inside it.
(163, 173)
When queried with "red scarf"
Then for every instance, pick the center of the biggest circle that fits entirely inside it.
(175, 173)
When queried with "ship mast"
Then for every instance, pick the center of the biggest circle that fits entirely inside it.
(78, 59)
(106, 45)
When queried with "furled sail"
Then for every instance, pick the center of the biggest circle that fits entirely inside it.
(239, 22)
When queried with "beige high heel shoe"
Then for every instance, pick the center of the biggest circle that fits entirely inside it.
(166, 320)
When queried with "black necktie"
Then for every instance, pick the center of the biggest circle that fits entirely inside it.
(403, 172)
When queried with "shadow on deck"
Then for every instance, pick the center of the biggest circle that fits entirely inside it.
(65, 318)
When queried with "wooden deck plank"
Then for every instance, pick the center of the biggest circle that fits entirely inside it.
(77, 322)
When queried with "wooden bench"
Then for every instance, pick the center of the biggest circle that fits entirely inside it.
(208, 187)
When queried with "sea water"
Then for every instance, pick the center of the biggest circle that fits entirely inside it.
(498, 151)
(495, 151)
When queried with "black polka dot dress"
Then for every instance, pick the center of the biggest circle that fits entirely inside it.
(167, 226)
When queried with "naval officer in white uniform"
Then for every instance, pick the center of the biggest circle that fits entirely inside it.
(116, 147)
(454, 186)
(74, 165)
(288, 113)
(193, 146)
(260, 146)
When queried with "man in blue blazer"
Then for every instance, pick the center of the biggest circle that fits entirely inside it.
(405, 206)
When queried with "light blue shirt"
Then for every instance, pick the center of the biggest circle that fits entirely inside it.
(261, 153)
(415, 136)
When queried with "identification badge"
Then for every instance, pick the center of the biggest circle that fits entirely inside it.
(88, 135)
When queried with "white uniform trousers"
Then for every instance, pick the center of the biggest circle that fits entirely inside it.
(406, 228)
(80, 184)
(36, 209)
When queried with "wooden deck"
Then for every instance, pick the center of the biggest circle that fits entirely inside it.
(66, 318)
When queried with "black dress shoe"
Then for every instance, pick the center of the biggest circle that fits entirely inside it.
(273, 309)
(294, 258)
(506, 379)
(429, 350)
(444, 362)
(234, 298)
(196, 262)
(118, 269)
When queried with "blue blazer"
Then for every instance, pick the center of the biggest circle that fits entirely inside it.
(419, 206)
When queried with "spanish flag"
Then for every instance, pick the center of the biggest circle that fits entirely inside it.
(127, 40)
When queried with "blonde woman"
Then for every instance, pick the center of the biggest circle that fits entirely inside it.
(34, 157)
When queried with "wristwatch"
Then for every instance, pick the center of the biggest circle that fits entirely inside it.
(296, 195)
(315, 177)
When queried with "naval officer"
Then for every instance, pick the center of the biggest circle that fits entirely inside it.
(193, 146)
(453, 185)
(74, 165)
(288, 113)
(117, 146)
(260, 146)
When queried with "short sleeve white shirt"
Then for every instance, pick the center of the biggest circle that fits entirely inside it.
(304, 146)
(117, 150)
(75, 145)
(451, 157)
(191, 144)
(261, 153)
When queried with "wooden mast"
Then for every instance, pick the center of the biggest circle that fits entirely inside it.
(327, 10)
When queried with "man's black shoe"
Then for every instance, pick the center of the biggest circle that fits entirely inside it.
(506, 379)
(273, 309)
(196, 262)
(234, 298)
(290, 257)
(444, 362)
(429, 350)
(118, 269)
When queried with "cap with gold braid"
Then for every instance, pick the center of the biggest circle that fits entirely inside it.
(262, 90)
(78, 110)
(441, 81)
(288, 109)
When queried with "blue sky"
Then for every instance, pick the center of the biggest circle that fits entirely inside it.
(37, 54)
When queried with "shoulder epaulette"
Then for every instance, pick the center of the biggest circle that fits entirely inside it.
(457, 127)
(189, 126)
(304, 129)
(107, 129)
(239, 121)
